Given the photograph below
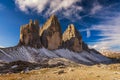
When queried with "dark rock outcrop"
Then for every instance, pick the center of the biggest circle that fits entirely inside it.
(24, 66)
(72, 39)
(85, 46)
(51, 34)
(29, 35)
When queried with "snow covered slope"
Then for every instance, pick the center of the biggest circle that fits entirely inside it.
(39, 55)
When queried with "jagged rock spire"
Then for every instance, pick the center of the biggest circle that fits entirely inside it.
(36, 22)
(29, 35)
(51, 22)
(72, 39)
(70, 33)
(30, 21)
(51, 34)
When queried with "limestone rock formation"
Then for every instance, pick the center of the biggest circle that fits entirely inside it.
(51, 34)
(29, 35)
(72, 39)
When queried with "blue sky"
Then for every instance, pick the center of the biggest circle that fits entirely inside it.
(97, 20)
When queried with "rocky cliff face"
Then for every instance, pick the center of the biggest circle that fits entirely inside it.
(72, 39)
(29, 34)
(51, 35)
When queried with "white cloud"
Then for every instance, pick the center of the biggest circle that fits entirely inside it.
(48, 7)
(96, 8)
(38, 5)
(88, 33)
(111, 31)
(92, 46)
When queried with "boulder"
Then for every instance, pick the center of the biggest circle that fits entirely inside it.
(72, 39)
(29, 35)
(51, 34)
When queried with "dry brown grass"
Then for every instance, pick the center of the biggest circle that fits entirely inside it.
(96, 72)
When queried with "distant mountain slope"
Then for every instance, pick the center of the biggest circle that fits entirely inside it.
(110, 54)
(39, 55)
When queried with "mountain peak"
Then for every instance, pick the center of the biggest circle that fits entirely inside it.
(72, 28)
(36, 22)
(53, 17)
(70, 32)
(30, 21)
(51, 34)
(29, 35)
(51, 22)
(72, 39)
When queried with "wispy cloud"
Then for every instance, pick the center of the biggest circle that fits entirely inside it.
(88, 33)
(48, 7)
(96, 7)
(111, 30)
(69, 9)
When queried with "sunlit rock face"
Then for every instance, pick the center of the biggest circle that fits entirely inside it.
(72, 39)
(29, 35)
(51, 34)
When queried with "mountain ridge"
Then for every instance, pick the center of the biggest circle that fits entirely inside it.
(40, 44)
